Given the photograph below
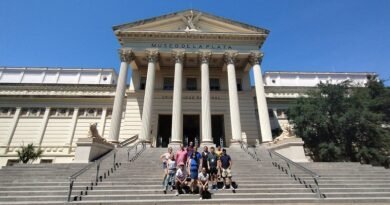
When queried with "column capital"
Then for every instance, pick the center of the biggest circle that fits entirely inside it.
(256, 57)
(178, 55)
(230, 57)
(204, 56)
(152, 55)
(126, 55)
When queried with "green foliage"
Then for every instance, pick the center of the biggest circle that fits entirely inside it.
(28, 154)
(345, 123)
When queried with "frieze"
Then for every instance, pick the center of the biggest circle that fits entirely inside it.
(192, 46)
(191, 97)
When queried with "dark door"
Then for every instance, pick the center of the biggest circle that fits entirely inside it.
(191, 129)
(164, 130)
(217, 128)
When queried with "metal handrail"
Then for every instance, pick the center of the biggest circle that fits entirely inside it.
(143, 145)
(98, 163)
(74, 176)
(288, 171)
(244, 146)
(128, 141)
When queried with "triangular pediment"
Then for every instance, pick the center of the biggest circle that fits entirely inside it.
(190, 21)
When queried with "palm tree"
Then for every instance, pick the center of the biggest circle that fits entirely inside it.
(28, 153)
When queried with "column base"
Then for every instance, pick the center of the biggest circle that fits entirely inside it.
(175, 145)
(207, 143)
(234, 144)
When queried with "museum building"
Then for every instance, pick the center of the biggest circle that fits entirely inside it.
(190, 81)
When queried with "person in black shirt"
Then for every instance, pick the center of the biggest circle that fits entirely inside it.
(205, 155)
(226, 165)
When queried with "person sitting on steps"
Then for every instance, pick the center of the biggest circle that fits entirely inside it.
(203, 182)
(181, 177)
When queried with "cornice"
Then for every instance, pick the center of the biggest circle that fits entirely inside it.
(57, 90)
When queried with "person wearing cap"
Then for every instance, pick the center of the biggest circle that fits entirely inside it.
(226, 165)
(181, 176)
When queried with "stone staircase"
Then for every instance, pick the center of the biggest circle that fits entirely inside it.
(139, 182)
(341, 181)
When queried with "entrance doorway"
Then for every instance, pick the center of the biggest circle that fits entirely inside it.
(191, 129)
(217, 128)
(164, 130)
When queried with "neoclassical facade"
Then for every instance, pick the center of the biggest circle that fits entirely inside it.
(190, 81)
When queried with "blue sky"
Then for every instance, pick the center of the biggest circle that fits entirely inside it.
(306, 35)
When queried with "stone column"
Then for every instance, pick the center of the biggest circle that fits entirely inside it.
(177, 115)
(152, 56)
(126, 56)
(233, 97)
(205, 88)
(265, 126)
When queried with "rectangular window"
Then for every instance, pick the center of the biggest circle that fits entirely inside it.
(142, 83)
(46, 161)
(11, 162)
(239, 84)
(168, 84)
(191, 84)
(214, 84)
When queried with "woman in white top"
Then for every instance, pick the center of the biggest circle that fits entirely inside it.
(170, 179)
(164, 158)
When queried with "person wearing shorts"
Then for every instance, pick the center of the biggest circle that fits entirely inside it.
(212, 162)
(226, 165)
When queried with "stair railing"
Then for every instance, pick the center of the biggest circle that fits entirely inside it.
(128, 141)
(104, 167)
(142, 145)
(244, 146)
(276, 162)
(94, 171)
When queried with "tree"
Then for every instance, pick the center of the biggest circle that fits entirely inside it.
(28, 154)
(341, 122)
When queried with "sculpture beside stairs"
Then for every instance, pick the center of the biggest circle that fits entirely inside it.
(92, 147)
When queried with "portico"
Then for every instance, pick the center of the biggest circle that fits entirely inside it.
(179, 54)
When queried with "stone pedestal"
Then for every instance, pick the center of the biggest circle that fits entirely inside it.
(291, 148)
(90, 149)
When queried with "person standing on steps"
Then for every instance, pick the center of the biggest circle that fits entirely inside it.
(170, 179)
(205, 155)
(203, 182)
(212, 162)
(180, 178)
(190, 148)
(218, 152)
(193, 169)
(226, 166)
(164, 158)
(181, 155)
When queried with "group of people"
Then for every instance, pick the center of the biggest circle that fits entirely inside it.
(188, 168)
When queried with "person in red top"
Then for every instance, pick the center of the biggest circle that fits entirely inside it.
(181, 155)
